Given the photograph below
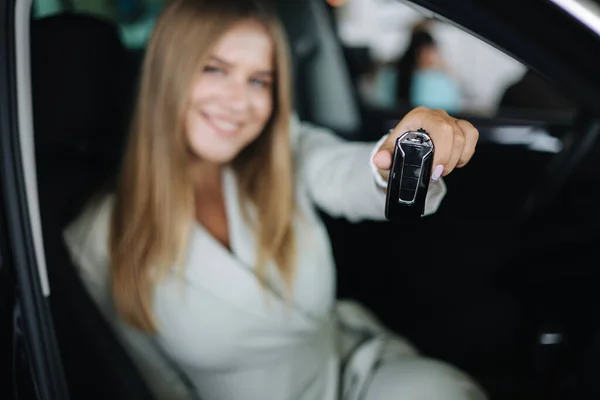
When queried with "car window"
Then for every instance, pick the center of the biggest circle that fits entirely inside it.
(384, 39)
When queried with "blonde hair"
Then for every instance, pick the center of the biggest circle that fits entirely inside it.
(154, 205)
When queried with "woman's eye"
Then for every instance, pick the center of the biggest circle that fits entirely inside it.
(260, 83)
(213, 69)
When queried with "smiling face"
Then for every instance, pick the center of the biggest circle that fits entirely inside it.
(231, 101)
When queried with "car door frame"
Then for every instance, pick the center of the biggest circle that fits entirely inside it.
(33, 330)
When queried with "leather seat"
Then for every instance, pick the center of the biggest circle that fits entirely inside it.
(81, 83)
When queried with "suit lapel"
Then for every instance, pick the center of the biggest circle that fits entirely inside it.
(231, 275)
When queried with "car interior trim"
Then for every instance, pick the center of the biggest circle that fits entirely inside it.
(585, 11)
(25, 121)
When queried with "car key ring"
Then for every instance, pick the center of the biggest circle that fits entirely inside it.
(409, 177)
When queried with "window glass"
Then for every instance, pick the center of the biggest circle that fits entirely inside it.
(388, 42)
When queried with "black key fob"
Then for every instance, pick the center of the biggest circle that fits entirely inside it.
(409, 177)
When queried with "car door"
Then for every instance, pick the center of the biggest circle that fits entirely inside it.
(29, 345)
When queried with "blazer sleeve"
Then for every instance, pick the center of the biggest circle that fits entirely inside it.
(338, 175)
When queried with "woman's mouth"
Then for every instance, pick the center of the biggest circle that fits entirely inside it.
(222, 126)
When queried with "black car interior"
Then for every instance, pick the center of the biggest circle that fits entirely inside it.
(79, 102)
(470, 285)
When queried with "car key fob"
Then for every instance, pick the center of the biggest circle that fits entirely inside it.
(409, 177)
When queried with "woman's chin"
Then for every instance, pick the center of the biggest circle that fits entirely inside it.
(216, 158)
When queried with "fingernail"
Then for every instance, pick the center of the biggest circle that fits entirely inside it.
(437, 172)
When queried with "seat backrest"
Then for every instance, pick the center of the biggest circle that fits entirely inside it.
(303, 49)
(82, 83)
(81, 89)
(324, 92)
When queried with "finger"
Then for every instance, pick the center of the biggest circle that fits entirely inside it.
(390, 142)
(383, 159)
(458, 144)
(471, 138)
(442, 135)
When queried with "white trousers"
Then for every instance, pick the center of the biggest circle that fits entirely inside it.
(389, 367)
(420, 378)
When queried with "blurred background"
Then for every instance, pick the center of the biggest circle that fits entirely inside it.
(379, 38)
(382, 30)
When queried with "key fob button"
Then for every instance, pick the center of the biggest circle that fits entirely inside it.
(410, 183)
(411, 171)
(407, 195)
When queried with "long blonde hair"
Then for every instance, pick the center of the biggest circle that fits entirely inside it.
(154, 205)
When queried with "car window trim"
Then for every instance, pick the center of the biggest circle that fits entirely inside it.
(41, 343)
(585, 11)
(25, 120)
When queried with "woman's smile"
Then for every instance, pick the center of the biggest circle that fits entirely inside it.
(222, 126)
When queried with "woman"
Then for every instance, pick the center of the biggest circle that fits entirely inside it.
(423, 77)
(209, 258)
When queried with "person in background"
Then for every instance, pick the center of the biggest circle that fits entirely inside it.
(209, 258)
(423, 78)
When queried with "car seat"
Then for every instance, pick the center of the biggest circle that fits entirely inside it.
(324, 94)
(81, 85)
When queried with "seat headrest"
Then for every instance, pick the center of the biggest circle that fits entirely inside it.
(81, 82)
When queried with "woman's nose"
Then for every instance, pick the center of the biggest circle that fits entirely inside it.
(236, 94)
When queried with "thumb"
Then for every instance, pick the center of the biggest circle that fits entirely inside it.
(383, 159)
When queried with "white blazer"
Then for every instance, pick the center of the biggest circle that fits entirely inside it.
(221, 336)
